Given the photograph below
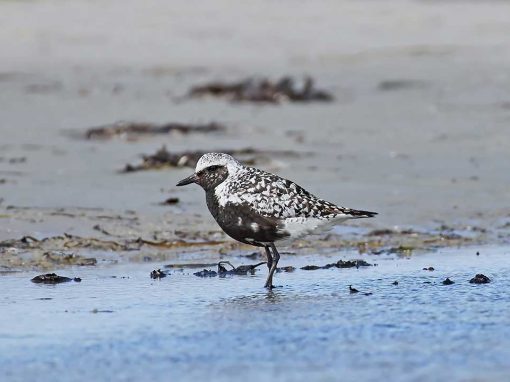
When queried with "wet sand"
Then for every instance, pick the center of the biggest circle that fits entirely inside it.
(417, 131)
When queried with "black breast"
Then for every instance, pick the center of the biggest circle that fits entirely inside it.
(243, 224)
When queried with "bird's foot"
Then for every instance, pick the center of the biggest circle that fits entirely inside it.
(269, 286)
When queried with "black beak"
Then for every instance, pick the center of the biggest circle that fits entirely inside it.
(190, 179)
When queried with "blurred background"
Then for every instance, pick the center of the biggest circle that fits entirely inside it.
(418, 128)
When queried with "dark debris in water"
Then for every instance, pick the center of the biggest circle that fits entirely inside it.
(311, 267)
(223, 271)
(206, 273)
(50, 278)
(480, 279)
(351, 264)
(447, 281)
(264, 91)
(430, 269)
(134, 130)
(158, 274)
(166, 159)
(287, 269)
(338, 264)
(240, 270)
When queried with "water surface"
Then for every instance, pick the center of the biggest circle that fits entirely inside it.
(183, 327)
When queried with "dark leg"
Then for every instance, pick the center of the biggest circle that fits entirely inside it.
(274, 264)
(269, 257)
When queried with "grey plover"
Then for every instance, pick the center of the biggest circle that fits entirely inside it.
(259, 208)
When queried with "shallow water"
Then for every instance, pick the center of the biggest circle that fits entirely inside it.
(183, 327)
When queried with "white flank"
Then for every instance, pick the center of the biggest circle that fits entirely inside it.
(299, 227)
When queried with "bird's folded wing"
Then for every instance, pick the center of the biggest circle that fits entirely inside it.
(270, 195)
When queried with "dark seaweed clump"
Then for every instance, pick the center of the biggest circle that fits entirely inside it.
(164, 158)
(240, 270)
(338, 264)
(133, 130)
(206, 273)
(480, 279)
(223, 271)
(51, 278)
(264, 91)
(158, 274)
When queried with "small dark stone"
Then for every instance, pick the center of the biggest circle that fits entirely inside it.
(429, 269)
(480, 279)
(477, 253)
(50, 278)
(395, 283)
(448, 281)
(158, 274)
(77, 279)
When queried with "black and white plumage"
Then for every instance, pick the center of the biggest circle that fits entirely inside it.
(260, 208)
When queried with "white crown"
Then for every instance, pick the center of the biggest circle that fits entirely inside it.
(217, 159)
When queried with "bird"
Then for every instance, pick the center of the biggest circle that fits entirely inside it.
(262, 209)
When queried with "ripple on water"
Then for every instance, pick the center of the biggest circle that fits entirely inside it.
(309, 328)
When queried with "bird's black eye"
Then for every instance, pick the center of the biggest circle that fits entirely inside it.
(213, 168)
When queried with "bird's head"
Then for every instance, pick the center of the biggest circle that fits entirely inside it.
(212, 169)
